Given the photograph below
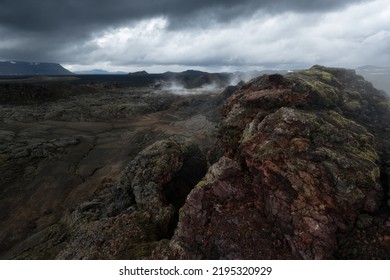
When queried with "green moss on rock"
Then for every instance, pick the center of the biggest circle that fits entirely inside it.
(352, 105)
(201, 183)
(324, 94)
(320, 75)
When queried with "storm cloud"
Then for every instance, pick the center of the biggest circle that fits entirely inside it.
(208, 34)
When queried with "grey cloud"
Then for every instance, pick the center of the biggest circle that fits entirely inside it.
(83, 16)
(61, 30)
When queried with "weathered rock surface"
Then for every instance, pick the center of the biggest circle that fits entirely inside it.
(59, 160)
(304, 174)
(127, 218)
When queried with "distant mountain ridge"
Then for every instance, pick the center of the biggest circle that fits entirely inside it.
(138, 73)
(378, 75)
(99, 72)
(22, 68)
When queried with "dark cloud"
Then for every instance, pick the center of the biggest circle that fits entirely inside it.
(79, 16)
(62, 30)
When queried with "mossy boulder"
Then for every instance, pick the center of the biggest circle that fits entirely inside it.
(142, 206)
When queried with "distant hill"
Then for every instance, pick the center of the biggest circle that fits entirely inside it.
(99, 72)
(191, 73)
(22, 68)
(138, 73)
(379, 76)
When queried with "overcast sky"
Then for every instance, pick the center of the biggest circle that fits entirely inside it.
(212, 35)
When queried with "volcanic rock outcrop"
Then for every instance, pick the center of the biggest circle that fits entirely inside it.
(126, 219)
(304, 174)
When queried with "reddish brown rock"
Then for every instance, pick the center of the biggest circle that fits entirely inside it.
(223, 218)
(305, 156)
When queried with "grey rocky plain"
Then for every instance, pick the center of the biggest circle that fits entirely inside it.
(61, 160)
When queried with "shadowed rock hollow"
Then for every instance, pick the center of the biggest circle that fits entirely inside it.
(299, 169)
